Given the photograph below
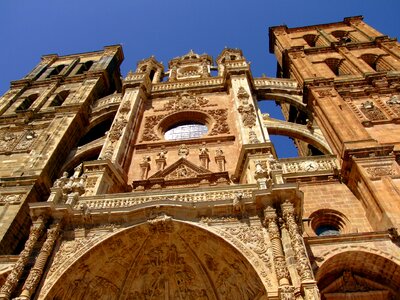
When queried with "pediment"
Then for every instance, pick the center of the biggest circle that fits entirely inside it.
(181, 169)
(182, 173)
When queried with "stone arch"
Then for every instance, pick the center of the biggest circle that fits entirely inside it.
(88, 152)
(297, 131)
(163, 259)
(366, 275)
(295, 100)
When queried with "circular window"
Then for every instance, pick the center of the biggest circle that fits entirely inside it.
(325, 230)
(328, 222)
(185, 131)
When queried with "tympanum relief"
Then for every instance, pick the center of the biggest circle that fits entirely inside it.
(160, 260)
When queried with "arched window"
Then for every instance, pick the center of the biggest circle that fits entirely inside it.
(310, 39)
(151, 75)
(27, 102)
(337, 66)
(57, 70)
(85, 67)
(185, 131)
(59, 98)
(96, 132)
(341, 36)
(326, 222)
(376, 62)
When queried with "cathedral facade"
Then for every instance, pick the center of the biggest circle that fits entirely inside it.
(165, 184)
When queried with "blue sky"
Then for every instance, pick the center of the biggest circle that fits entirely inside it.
(166, 29)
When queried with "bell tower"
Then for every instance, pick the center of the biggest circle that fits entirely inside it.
(350, 74)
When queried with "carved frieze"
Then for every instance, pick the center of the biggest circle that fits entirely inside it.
(189, 198)
(18, 140)
(379, 171)
(10, 199)
(186, 101)
(372, 112)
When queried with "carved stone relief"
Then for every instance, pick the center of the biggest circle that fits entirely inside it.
(379, 171)
(150, 123)
(221, 125)
(17, 140)
(186, 101)
(117, 128)
(248, 115)
(394, 104)
(183, 262)
(372, 112)
(10, 199)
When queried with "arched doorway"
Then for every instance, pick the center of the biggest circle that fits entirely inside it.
(359, 275)
(162, 259)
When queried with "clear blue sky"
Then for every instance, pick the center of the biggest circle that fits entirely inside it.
(166, 29)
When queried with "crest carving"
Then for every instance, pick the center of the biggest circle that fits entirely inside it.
(372, 112)
(185, 101)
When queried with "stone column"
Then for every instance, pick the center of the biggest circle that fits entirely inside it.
(12, 279)
(303, 267)
(36, 272)
(286, 291)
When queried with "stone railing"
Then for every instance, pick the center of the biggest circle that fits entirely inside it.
(115, 98)
(186, 84)
(134, 76)
(275, 82)
(317, 164)
(138, 199)
(236, 64)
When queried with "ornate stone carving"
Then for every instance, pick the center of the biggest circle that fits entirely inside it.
(36, 272)
(161, 224)
(248, 115)
(18, 140)
(203, 156)
(253, 137)
(296, 240)
(228, 195)
(150, 123)
(13, 278)
(185, 101)
(221, 125)
(372, 112)
(183, 151)
(379, 171)
(308, 165)
(253, 237)
(286, 292)
(325, 93)
(144, 167)
(270, 219)
(220, 159)
(394, 104)
(116, 130)
(10, 199)
(242, 94)
(181, 172)
(69, 188)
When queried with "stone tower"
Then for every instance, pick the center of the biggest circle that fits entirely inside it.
(165, 184)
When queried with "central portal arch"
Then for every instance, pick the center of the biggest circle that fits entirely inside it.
(162, 259)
